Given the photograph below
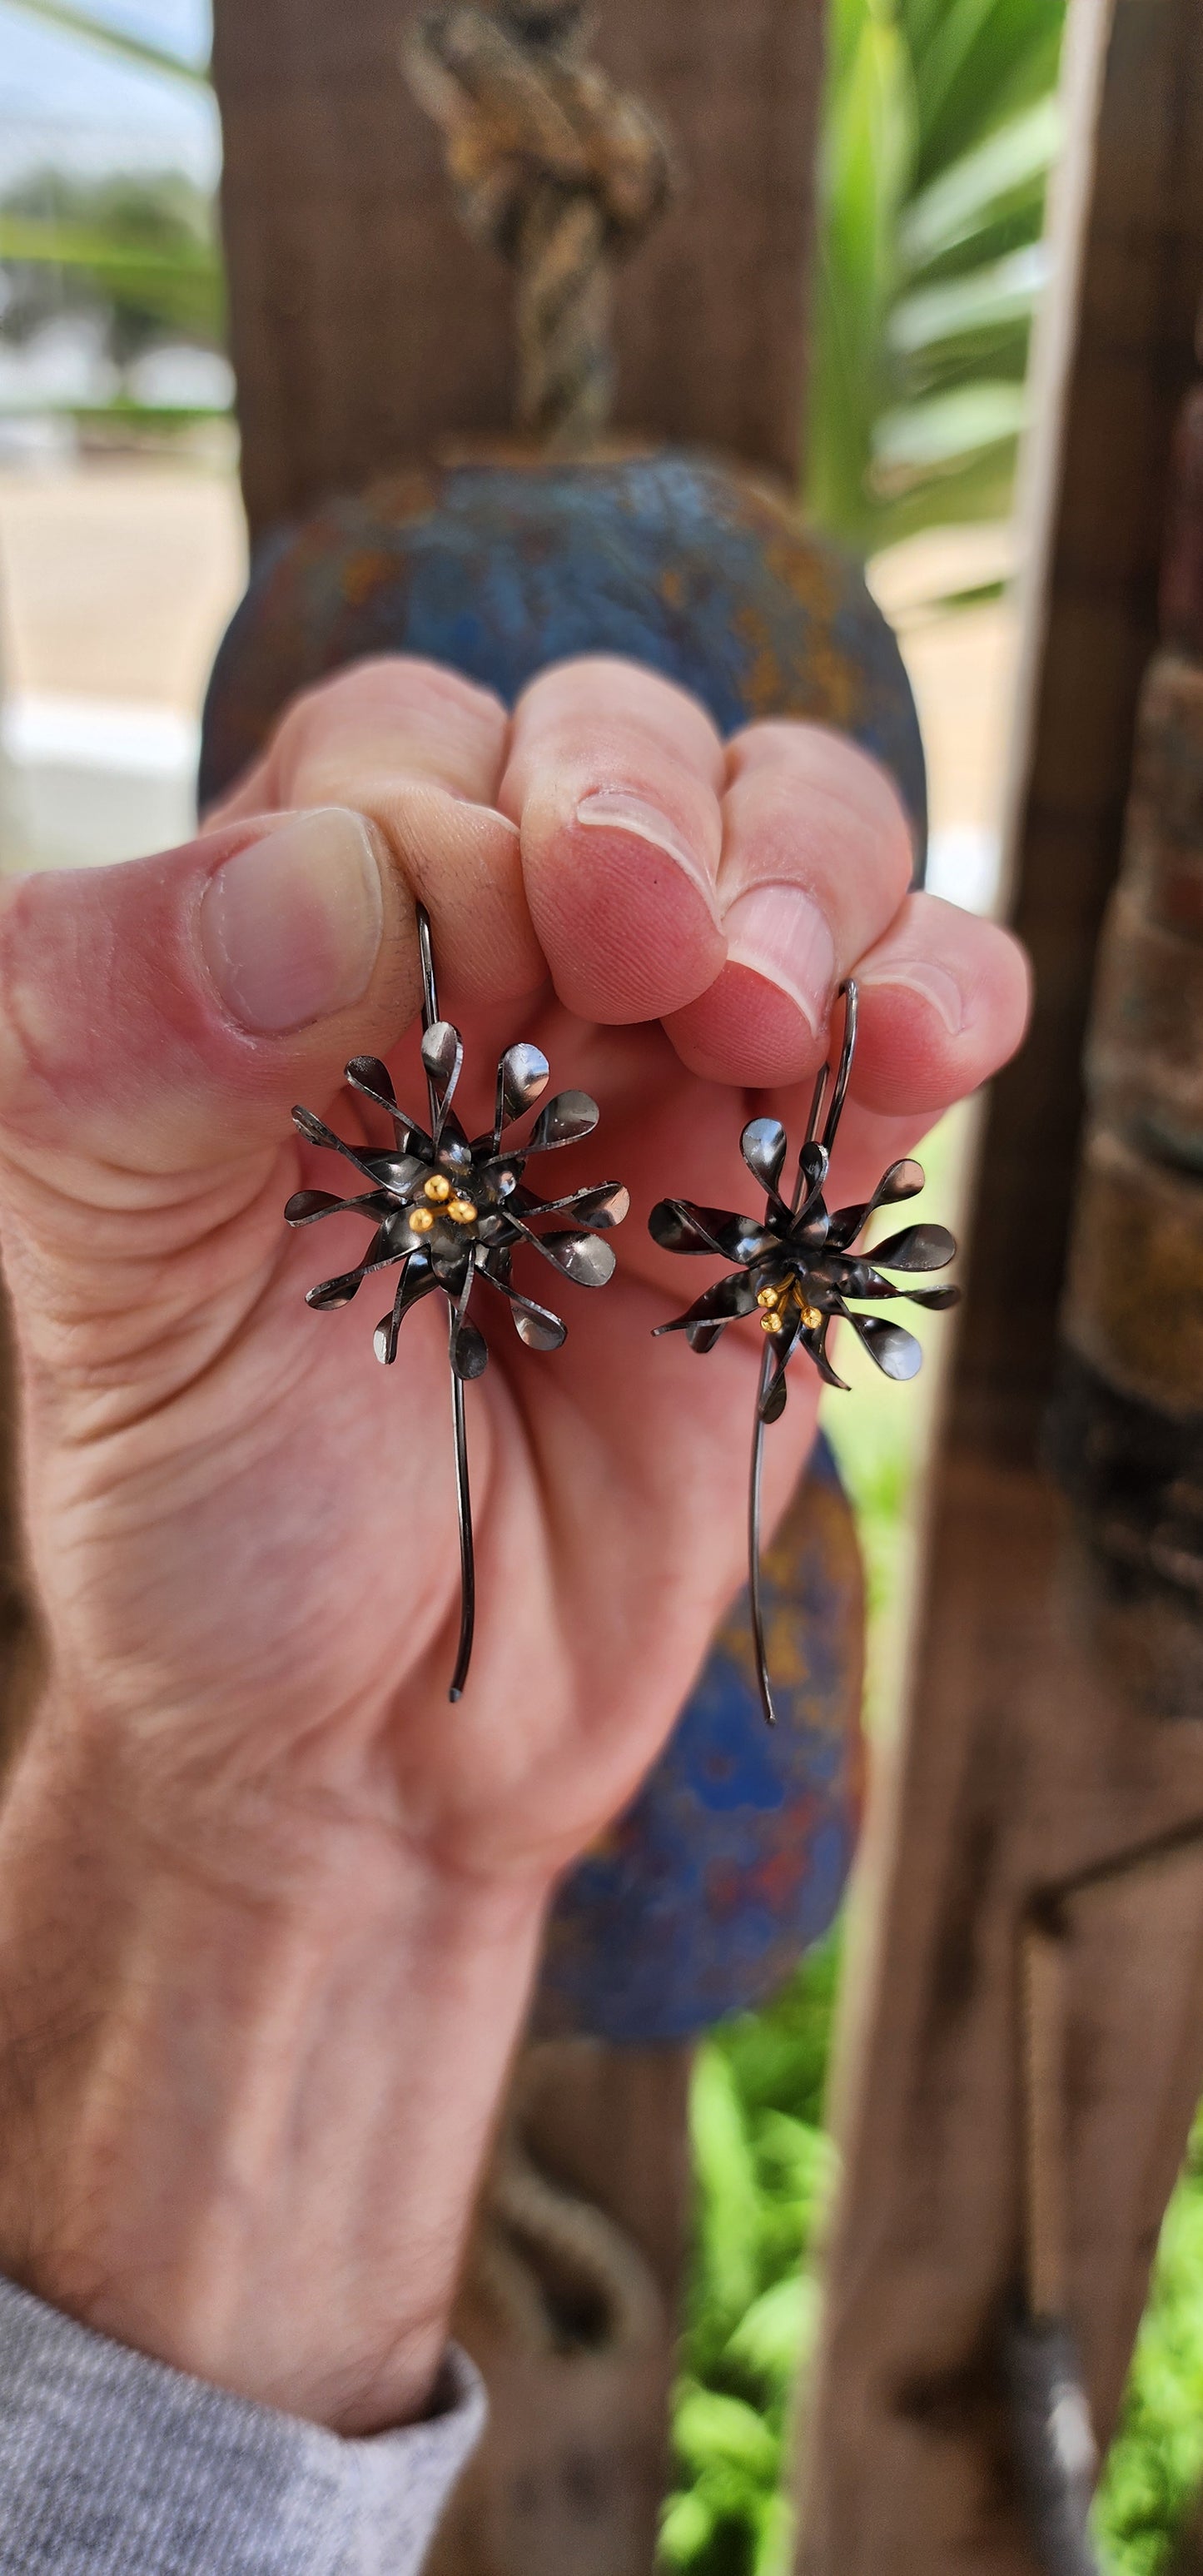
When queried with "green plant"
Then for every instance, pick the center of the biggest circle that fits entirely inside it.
(1156, 2460)
(140, 251)
(940, 127)
(764, 2173)
(112, 40)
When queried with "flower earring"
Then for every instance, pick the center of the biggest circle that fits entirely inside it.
(448, 1212)
(797, 1270)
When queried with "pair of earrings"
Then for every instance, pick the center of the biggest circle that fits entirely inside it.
(448, 1211)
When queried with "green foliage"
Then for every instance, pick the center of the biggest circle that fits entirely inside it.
(940, 128)
(764, 2174)
(112, 40)
(142, 251)
(1156, 2461)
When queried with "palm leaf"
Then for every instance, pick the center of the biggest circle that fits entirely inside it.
(134, 49)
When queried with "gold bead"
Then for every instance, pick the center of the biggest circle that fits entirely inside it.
(463, 1211)
(767, 1296)
(771, 1323)
(438, 1186)
(420, 1220)
(811, 1317)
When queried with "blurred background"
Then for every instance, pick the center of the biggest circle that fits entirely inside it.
(122, 552)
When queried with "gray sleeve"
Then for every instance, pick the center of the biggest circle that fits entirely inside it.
(113, 2465)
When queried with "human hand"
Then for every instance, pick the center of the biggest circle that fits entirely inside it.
(243, 1536)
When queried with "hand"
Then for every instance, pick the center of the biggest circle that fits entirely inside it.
(243, 1534)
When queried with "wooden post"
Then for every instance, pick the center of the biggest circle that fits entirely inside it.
(367, 329)
(1033, 1754)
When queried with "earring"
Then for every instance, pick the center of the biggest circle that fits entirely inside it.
(448, 1212)
(797, 1270)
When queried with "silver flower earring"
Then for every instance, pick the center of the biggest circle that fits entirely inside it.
(798, 1269)
(447, 1212)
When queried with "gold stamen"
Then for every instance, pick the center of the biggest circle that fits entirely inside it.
(420, 1220)
(771, 1322)
(767, 1296)
(463, 1211)
(438, 1186)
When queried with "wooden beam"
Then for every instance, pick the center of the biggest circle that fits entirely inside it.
(1115, 364)
(1032, 1752)
(367, 328)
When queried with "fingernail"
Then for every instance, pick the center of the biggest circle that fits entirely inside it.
(612, 810)
(290, 927)
(779, 932)
(932, 982)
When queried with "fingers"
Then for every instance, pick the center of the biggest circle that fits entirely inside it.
(615, 777)
(944, 1002)
(162, 1017)
(420, 752)
(816, 859)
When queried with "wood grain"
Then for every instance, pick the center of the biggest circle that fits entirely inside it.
(367, 329)
(1117, 361)
(1045, 1736)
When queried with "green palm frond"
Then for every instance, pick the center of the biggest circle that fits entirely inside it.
(96, 31)
(940, 129)
(180, 286)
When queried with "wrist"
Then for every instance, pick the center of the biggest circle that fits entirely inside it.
(242, 2129)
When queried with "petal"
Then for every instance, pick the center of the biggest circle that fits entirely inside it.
(762, 1145)
(522, 1078)
(535, 1325)
(918, 1247)
(395, 1172)
(897, 1353)
(331, 1293)
(571, 1115)
(680, 1226)
(704, 1337)
(735, 1295)
(367, 1074)
(416, 1281)
(469, 1349)
(305, 1206)
(772, 1403)
(938, 1299)
(606, 1204)
(902, 1181)
(587, 1258)
(316, 1132)
(816, 1345)
(443, 1056)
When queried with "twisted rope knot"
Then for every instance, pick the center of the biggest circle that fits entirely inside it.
(555, 167)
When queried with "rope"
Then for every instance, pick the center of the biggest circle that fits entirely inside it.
(557, 170)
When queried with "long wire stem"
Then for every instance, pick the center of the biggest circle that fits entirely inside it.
(467, 1559)
(839, 1091)
(463, 1494)
(762, 1663)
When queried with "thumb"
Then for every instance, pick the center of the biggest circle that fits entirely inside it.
(163, 1015)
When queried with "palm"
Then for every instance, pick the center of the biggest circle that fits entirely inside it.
(305, 1554)
(244, 1531)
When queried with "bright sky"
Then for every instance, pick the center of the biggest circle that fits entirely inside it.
(64, 100)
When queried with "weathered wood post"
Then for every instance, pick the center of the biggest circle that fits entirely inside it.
(1044, 1752)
